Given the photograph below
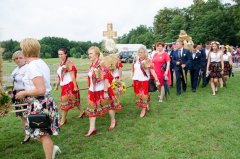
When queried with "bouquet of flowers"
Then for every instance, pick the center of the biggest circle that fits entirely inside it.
(118, 87)
(145, 64)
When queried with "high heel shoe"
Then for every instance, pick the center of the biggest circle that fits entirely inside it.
(25, 141)
(63, 123)
(56, 149)
(111, 128)
(92, 133)
(82, 115)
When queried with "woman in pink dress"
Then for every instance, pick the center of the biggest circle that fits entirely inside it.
(159, 59)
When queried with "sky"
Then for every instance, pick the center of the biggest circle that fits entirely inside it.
(79, 20)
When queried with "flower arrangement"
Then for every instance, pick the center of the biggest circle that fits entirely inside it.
(145, 64)
(118, 87)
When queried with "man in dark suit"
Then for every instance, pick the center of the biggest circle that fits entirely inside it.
(182, 61)
(204, 52)
(196, 58)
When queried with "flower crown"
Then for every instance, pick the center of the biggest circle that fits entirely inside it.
(215, 42)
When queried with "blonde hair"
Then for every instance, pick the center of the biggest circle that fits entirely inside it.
(30, 47)
(96, 50)
(144, 49)
(16, 54)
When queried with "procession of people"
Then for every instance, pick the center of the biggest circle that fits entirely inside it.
(31, 83)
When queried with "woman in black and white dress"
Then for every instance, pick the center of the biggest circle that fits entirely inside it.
(215, 66)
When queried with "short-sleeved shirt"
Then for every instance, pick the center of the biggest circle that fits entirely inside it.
(215, 57)
(226, 56)
(17, 75)
(37, 68)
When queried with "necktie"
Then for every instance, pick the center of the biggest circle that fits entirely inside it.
(179, 53)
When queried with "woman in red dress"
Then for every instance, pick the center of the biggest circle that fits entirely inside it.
(101, 97)
(142, 69)
(70, 96)
(159, 59)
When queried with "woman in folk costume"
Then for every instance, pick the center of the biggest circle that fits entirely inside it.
(141, 69)
(161, 60)
(227, 60)
(100, 95)
(215, 65)
(70, 96)
(117, 84)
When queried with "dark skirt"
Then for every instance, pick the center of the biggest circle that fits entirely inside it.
(227, 68)
(215, 68)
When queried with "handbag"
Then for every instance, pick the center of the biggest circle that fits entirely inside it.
(151, 86)
(39, 121)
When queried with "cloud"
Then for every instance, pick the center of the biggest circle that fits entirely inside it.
(79, 20)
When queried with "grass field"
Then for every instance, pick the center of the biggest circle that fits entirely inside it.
(193, 125)
(81, 64)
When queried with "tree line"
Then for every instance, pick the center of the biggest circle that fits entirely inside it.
(204, 21)
(50, 46)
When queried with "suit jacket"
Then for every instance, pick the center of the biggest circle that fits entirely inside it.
(196, 61)
(171, 62)
(185, 59)
(203, 59)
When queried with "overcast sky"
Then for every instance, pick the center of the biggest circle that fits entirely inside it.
(79, 20)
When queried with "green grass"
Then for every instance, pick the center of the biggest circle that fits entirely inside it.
(81, 64)
(193, 125)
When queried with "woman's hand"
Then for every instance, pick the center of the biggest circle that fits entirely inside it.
(165, 73)
(56, 88)
(157, 83)
(75, 89)
(20, 95)
(105, 95)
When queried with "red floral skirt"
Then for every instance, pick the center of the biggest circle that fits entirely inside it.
(98, 105)
(69, 97)
(215, 68)
(141, 92)
(227, 68)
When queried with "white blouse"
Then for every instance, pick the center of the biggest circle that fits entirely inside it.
(215, 57)
(17, 75)
(99, 86)
(226, 56)
(138, 74)
(37, 68)
(66, 78)
(115, 73)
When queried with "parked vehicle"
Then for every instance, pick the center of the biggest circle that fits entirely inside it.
(127, 52)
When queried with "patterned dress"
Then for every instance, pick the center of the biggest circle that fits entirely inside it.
(141, 76)
(97, 104)
(40, 104)
(69, 97)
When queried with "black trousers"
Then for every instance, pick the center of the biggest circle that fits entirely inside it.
(180, 83)
(194, 73)
(205, 80)
(171, 71)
